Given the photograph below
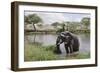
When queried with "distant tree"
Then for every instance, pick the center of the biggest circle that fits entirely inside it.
(86, 22)
(39, 24)
(67, 25)
(32, 19)
(55, 24)
(71, 25)
(63, 26)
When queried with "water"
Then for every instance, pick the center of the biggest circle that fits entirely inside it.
(50, 39)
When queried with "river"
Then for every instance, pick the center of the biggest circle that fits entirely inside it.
(50, 39)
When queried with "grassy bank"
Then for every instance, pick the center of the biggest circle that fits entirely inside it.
(36, 52)
(55, 32)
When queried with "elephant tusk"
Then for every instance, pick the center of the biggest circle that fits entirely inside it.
(58, 44)
(63, 35)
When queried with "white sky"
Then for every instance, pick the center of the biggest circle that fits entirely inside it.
(51, 17)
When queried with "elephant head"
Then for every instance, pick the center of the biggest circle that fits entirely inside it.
(64, 37)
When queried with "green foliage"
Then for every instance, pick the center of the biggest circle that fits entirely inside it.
(26, 19)
(63, 26)
(59, 30)
(86, 21)
(55, 24)
(39, 25)
(32, 19)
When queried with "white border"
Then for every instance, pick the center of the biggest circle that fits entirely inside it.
(23, 64)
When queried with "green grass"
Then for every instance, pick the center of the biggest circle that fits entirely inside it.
(79, 56)
(37, 52)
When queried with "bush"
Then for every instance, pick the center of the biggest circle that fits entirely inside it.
(50, 48)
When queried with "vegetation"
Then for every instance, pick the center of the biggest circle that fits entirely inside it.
(33, 19)
(36, 20)
(86, 22)
(38, 52)
(55, 24)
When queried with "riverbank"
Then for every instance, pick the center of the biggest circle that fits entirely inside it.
(37, 52)
(54, 32)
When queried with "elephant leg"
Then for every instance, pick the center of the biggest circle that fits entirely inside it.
(71, 48)
(67, 49)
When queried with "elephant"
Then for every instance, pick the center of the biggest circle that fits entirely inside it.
(71, 42)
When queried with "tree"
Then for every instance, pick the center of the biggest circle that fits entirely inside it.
(63, 26)
(39, 25)
(55, 24)
(32, 19)
(86, 22)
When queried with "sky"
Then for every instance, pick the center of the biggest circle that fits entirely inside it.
(51, 17)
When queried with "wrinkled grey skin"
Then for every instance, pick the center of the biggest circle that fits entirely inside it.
(70, 41)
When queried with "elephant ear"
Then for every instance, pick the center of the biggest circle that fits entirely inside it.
(69, 35)
(59, 40)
